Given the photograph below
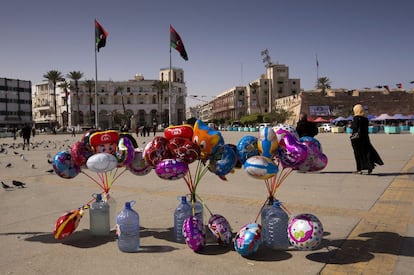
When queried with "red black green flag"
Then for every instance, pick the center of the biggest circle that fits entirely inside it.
(177, 43)
(100, 36)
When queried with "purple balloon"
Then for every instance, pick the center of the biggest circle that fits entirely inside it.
(193, 232)
(171, 169)
(315, 161)
(291, 151)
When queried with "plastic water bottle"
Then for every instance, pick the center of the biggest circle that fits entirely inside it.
(182, 212)
(127, 229)
(274, 227)
(99, 217)
(112, 209)
(198, 209)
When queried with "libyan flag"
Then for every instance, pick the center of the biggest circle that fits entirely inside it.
(100, 36)
(177, 43)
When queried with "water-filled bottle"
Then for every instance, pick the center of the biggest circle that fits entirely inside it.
(198, 209)
(109, 198)
(99, 217)
(274, 227)
(127, 229)
(182, 212)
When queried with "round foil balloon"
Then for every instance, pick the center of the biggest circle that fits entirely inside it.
(80, 153)
(260, 167)
(139, 166)
(305, 231)
(66, 224)
(125, 151)
(171, 169)
(183, 149)
(248, 239)
(101, 162)
(220, 228)
(246, 148)
(64, 166)
(156, 150)
(182, 131)
(193, 232)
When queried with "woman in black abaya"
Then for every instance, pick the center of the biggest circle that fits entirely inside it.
(366, 157)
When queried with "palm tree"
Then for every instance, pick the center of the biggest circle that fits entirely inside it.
(76, 75)
(89, 84)
(323, 84)
(54, 76)
(254, 86)
(66, 86)
(160, 86)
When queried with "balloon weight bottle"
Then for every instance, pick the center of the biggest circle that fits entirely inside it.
(127, 229)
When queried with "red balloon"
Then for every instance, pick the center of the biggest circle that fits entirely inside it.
(66, 224)
(80, 153)
(184, 149)
(156, 150)
(183, 131)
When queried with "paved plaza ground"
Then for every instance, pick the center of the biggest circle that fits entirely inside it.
(368, 219)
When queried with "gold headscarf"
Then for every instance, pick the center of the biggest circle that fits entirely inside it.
(359, 110)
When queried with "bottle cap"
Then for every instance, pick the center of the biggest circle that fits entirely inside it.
(276, 203)
(128, 204)
(98, 197)
(183, 199)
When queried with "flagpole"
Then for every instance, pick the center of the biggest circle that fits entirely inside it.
(169, 93)
(96, 85)
(317, 71)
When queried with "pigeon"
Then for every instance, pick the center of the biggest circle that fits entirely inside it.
(50, 171)
(48, 156)
(33, 166)
(18, 183)
(23, 157)
(5, 186)
(8, 165)
(16, 153)
(49, 161)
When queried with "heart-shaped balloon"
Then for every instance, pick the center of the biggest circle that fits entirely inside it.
(156, 150)
(291, 151)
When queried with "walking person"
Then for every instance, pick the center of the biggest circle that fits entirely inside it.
(305, 127)
(26, 132)
(366, 157)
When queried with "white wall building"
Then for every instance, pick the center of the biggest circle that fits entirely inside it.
(136, 102)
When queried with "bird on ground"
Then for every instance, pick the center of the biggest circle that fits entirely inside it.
(50, 171)
(8, 165)
(5, 186)
(16, 153)
(23, 157)
(33, 166)
(48, 156)
(49, 161)
(18, 183)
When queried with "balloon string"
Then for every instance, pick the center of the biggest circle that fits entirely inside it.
(94, 180)
(260, 211)
(123, 171)
(204, 204)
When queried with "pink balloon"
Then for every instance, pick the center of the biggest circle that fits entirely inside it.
(291, 151)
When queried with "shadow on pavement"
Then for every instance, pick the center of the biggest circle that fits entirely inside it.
(355, 251)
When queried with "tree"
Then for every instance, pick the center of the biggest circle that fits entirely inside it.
(160, 86)
(53, 76)
(89, 84)
(323, 84)
(66, 86)
(76, 75)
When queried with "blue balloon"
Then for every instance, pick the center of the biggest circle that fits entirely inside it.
(224, 161)
(246, 148)
(64, 166)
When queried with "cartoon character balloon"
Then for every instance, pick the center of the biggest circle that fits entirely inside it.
(207, 139)
(223, 161)
(248, 239)
(139, 166)
(171, 169)
(305, 231)
(104, 141)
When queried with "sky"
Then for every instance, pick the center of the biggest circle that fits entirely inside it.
(358, 44)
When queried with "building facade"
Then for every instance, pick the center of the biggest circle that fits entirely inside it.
(133, 103)
(15, 102)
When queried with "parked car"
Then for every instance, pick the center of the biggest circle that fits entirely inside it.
(326, 127)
